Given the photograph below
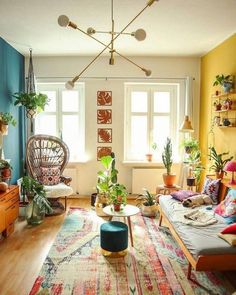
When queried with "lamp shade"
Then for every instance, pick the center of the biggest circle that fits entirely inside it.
(186, 125)
(231, 167)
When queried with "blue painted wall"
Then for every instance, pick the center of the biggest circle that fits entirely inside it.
(11, 81)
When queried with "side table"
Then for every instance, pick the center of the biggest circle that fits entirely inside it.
(166, 190)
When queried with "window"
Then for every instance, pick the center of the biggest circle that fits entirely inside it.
(63, 116)
(153, 112)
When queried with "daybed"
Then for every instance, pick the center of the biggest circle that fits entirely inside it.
(201, 245)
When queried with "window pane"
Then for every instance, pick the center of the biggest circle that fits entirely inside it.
(70, 102)
(70, 134)
(45, 124)
(139, 135)
(51, 107)
(139, 101)
(161, 130)
(162, 102)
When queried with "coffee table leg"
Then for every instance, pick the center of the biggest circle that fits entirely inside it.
(130, 231)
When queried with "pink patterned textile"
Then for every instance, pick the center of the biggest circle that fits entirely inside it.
(50, 175)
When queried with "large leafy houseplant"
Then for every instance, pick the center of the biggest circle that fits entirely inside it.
(218, 161)
(168, 177)
(39, 204)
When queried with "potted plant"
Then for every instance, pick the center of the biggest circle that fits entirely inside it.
(32, 102)
(6, 119)
(149, 155)
(5, 168)
(117, 196)
(218, 162)
(217, 105)
(38, 203)
(225, 81)
(190, 144)
(148, 205)
(196, 168)
(168, 177)
(106, 178)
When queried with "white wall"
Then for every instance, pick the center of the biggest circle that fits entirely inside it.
(62, 68)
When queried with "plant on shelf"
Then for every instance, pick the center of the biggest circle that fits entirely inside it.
(5, 169)
(218, 162)
(225, 81)
(33, 102)
(217, 105)
(168, 177)
(6, 119)
(149, 155)
(147, 204)
(36, 195)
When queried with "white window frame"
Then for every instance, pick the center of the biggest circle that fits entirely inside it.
(58, 88)
(177, 89)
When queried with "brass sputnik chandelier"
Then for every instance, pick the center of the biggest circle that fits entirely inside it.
(139, 35)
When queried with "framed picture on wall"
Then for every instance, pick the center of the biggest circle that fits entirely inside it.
(104, 98)
(103, 151)
(104, 116)
(104, 135)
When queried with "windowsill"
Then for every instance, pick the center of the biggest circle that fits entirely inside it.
(145, 164)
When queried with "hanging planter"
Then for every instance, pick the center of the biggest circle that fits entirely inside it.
(31, 113)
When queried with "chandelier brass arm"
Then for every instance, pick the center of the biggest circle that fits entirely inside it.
(64, 21)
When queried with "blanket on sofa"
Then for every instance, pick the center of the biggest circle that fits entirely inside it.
(192, 217)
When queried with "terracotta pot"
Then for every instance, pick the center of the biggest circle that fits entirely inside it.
(169, 179)
(117, 207)
(220, 174)
(3, 128)
(6, 173)
(149, 157)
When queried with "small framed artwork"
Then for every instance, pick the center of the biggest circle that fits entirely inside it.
(104, 135)
(104, 116)
(103, 151)
(104, 98)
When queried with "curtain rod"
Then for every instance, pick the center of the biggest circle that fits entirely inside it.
(118, 78)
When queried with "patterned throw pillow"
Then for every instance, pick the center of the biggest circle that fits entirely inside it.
(183, 194)
(211, 188)
(227, 208)
(50, 175)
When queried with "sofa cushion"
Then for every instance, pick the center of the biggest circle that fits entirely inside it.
(227, 208)
(183, 194)
(231, 229)
(211, 188)
(231, 239)
(50, 175)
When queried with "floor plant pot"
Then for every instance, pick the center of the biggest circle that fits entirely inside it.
(34, 215)
(149, 211)
(169, 179)
(100, 202)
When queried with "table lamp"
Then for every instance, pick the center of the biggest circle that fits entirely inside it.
(231, 167)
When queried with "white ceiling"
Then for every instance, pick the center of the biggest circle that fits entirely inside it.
(174, 27)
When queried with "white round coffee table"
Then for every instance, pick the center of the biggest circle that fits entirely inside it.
(126, 212)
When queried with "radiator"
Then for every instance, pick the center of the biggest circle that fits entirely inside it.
(72, 172)
(147, 178)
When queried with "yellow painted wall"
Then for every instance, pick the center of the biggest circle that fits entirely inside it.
(221, 60)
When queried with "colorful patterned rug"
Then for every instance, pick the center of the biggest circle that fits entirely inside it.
(155, 265)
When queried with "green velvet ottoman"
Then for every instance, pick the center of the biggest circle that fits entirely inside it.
(114, 238)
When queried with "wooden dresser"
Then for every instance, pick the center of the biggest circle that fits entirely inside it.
(9, 209)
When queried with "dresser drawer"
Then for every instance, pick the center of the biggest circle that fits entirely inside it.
(12, 213)
(10, 198)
